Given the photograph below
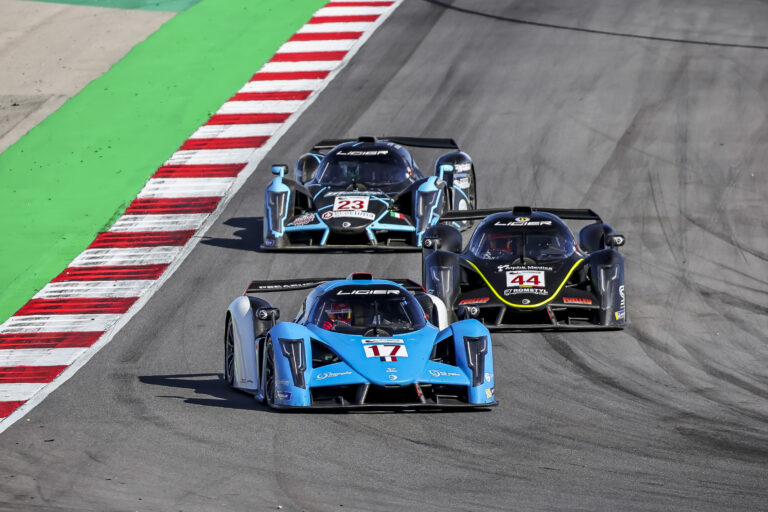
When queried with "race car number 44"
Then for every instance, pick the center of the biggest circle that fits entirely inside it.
(350, 203)
(525, 279)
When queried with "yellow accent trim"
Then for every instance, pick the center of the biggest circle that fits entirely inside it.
(526, 305)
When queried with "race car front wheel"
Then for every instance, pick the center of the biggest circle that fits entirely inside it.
(229, 353)
(268, 373)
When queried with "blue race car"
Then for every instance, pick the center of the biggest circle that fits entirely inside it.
(365, 193)
(356, 343)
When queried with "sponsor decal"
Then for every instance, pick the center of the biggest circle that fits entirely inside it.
(621, 293)
(368, 291)
(488, 377)
(283, 395)
(392, 376)
(326, 375)
(397, 215)
(526, 301)
(478, 300)
(490, 392)
(522, 291)
(269, 242)
(620, 315)
(352, 213)
(352, 193)
(373, 152)
(385, 350)
(576, 300)
(525, 279)
(523, 221)
(346, 224)
(303, 219)
(391, 370)
(461, 182)
(440, 373)
(466, 166)
(351, 203)
(502, 268)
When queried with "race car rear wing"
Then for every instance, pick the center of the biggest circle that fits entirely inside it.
(563, 213)
(285, 285)
(417, 142)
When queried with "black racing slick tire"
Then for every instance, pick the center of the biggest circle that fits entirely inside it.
(229, 352)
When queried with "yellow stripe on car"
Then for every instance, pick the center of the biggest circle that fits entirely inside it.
(526, 305)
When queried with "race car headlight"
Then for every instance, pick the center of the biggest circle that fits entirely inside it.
(277, 203)
(294, 351)
(476, 347)
(425, 201)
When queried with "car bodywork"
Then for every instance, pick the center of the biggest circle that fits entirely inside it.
(365, 193)
(523, 269)
(394, 349)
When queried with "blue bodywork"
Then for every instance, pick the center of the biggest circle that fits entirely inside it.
(473, 370)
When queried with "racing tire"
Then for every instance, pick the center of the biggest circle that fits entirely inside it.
(268, 373)
(229, 352)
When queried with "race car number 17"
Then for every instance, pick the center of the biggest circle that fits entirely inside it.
(350, 203)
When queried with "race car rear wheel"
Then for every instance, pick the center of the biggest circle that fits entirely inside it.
(229, 353)
(268, 373)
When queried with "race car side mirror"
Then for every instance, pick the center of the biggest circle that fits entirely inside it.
(615, 240)
(279, 170)
(268, 314)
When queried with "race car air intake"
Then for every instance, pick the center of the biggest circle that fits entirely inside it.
(294, 351)
(477, 347)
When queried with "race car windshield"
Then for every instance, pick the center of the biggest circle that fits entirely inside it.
(370, 311)
(503, 243)
(374, 168)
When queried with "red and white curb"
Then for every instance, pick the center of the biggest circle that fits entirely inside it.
(72, 317)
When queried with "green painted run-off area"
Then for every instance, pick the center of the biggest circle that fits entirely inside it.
(73, 175)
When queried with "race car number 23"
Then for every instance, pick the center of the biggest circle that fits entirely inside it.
(350, 203)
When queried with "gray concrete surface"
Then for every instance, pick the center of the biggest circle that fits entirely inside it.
(49, 52)
(667, 141)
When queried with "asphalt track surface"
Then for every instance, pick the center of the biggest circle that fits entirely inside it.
(666, 140)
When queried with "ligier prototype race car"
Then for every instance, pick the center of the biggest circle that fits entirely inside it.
(365, 193)
(356, 343)
(523, 269)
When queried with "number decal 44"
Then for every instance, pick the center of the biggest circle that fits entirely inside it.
(351, 203)
(525, 279)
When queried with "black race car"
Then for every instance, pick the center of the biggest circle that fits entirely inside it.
(365, 192)
(523, 269)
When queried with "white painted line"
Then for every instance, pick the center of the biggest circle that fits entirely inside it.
(159, 222)
(350, 11)
(210, 156)
(71, 289)
(186, 187)
(303, 84)
(260, 107)
(355, 26)
(330, 45)
(308, 65)
(58, 323)
(128, 256)
(229, 131)
(40, 356)
(19, 390)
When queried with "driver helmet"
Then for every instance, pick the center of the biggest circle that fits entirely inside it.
(339, 312)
